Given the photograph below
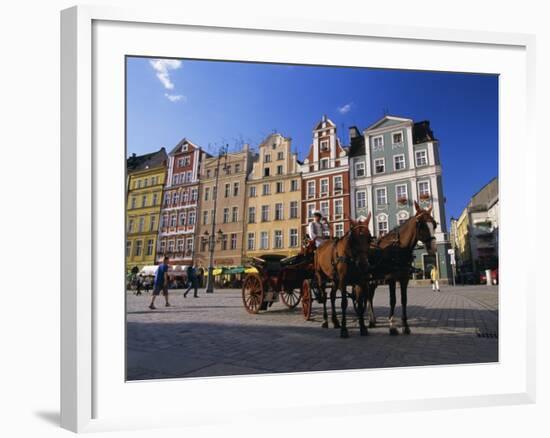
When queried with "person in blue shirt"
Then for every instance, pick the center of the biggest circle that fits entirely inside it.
(160, 283)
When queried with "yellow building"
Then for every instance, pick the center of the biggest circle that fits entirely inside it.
(146, 178)
(273, 201)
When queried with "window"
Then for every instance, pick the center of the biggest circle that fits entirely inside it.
(338, 230)
(324, 163)
(152, 223)
(185, 196)
(310, 210)
(237, 168)
(176, 198)
(236, 189)
(311, 189)
(266, 171)
(381, 198)
(421, 158)
(424, 189)
(206, 193)
(141, 224)
(279, 187)
(184, 147)
(280, 156)
(278, 239)
(338, 208)
(378, 143)
(250, 241)
(324, 186)
(359, 169)
(183, 162)
(397, 138)
(293, 209)
(165, 221)
(324, 208)
(227, 169)
(401, 194)
(265, 189)
(361, 199)
(324, 145)
(225, 215)
(155, 198)
(265, 213)
(293, 237)
(208, 173)
(134, 200)
(267, 158)
(379, 165)
(189, 245)
(130, 225)
(294, 185)
(264, 240)
(211, 216)
(204, 217)
(173, 219)
(144, 200)
(235, 214)
(182, 219)
(382, 225)
(138, 248)
(192, 216)
(399, 162)
(227, 188)
(194, 194)
(214, 192)
(233, 240)
(338, 186)
(139, 184)
(175, 180)
(224, 242)
(162, 247)
(279, 212)
(252, 191)
(251, 215)
(179, 245)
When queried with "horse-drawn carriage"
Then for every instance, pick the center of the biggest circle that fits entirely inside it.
(286, 279)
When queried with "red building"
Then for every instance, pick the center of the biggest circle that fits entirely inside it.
(180, 204)
(325, 179)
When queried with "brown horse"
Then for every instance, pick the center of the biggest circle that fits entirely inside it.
(343, 262)
(390, 261)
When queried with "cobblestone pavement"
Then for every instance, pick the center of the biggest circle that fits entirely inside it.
(213, 335)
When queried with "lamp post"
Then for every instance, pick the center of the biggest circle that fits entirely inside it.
(212, 237)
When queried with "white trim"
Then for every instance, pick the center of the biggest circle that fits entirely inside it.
(327, 192)
(380, 147)
(383, 161)
(406, 192)
(417, 153)
(376, 204)
(394, 162)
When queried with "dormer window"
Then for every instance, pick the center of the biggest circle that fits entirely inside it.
(324, 145)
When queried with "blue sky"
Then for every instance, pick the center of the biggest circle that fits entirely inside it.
(214, 103)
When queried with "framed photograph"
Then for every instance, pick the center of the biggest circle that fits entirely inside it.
(317, 216)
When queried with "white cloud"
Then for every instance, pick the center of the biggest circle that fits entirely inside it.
(163, 67)
(175, 97)
(344, 109)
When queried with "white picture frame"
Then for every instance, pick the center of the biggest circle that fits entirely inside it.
(93, 396)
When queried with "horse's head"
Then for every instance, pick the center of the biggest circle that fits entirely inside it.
(360, 239)
(426, 226)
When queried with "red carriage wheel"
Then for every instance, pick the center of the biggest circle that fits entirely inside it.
(306, 299)
(253, 293)
(290, 298)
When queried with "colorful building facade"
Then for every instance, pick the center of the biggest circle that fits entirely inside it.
(146, 179)
(229, 190)
(325, 179)
(273, 201)
(180, 204)
(393, 163)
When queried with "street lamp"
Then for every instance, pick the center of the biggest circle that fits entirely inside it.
(212, 237)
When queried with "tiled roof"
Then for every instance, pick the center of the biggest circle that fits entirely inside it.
(147, 161)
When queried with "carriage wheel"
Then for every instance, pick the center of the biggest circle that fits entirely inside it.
(253, 293)
(290, 298)
(306, 299)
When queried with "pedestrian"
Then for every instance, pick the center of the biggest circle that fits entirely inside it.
(138, 287)
(200, 275)
(192, 280)
(434, 274)
(161, 283)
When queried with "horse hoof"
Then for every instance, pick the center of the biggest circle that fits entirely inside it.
(336, 324)
(324, 325)
(364, 331)
(393, 331)
(406, 330)
(344, 333)
(372, 324)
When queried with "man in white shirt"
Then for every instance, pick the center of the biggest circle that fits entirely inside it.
(315, 229)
